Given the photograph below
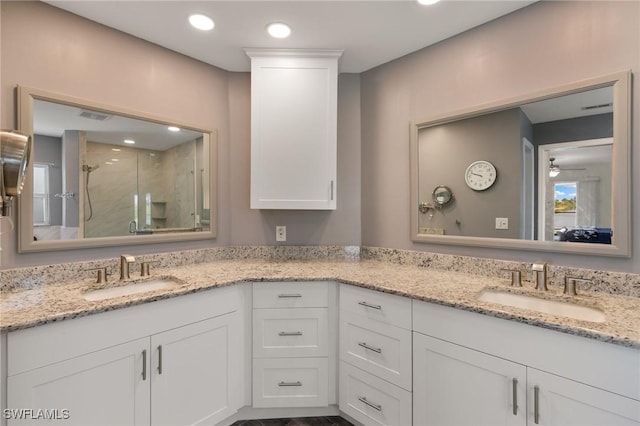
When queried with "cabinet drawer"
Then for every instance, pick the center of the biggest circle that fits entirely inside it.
(290, 332)
(290, 382)
(311, 294)
(370, 400)
(380, 349)
(388, 308)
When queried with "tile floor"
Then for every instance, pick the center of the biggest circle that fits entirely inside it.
(300, 421)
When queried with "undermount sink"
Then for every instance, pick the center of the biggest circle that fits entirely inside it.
(130, 289)
(532, 303)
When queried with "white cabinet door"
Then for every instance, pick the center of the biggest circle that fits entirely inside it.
(195, 371)
(108, 387)
(453, 385)
(558, 401)
(293, 129)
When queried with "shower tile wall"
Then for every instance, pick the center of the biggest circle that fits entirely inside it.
(111, 189)
(163, 181)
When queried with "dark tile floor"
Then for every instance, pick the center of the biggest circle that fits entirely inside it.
(299, 421)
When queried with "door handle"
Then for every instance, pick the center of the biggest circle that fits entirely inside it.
(144, 364)
(515, 396)
(536, 405)
(159, 359)
(370, 404)
(371, 348)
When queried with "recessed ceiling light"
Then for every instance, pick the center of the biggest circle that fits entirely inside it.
(129, 141)
(279, 30)
(428, 2)
(115, 149)
(201, 22)
(173, 129)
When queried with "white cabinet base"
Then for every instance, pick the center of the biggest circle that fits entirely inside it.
(107, 387)
(565, 402)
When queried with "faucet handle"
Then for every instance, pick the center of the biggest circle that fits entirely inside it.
(516, 277)
(102, 274)
(145, 269)
(571, 285)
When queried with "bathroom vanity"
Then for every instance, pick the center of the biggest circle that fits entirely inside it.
(377, 342)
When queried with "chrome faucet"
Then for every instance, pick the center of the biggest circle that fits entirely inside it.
(125, 261)
(540, 275)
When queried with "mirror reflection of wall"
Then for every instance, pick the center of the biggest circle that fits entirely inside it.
(519, 142)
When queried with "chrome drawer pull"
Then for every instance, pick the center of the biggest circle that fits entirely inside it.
(159, 359)
(144, 364)
(370, 404)
(369, 305)
(371, 348)
(515, 396)
(536, 405)
(290, 333)
(298, 383)
(288, 296)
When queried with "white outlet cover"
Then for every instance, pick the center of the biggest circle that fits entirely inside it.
(502, 223)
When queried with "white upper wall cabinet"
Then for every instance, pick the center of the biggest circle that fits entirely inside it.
(294, 96)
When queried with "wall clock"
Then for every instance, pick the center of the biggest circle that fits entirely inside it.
(480, 175)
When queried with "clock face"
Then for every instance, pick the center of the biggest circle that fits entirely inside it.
(480, 175)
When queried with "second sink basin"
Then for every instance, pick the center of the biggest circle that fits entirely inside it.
(532, 303)
(130, 289)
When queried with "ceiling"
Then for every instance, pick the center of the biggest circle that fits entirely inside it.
(52, 119)
(371, 33)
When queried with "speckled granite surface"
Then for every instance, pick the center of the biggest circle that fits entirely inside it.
(46, 303)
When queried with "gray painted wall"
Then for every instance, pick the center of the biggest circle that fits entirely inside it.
(574, 129)
(544, 45)
(445, 153)
(74, 56)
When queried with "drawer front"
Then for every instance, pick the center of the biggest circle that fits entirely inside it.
(380, 349)
(372, 401)
(281, 382)
(387, 308)
(310, 294)
(290, 332)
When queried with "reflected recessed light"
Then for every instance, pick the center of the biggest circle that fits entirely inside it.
(129, 141)
(201, 22)
(173, 129)
(428, 2)
(108, 162)
(115, 160)
(115, 149)
(279, 30)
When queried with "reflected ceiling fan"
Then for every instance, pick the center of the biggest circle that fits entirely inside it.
(554, 169)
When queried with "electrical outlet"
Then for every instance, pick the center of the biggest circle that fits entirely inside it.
(281, 233)
(502, 223)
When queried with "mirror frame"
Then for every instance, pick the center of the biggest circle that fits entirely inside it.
(25, 101)
(621, 178)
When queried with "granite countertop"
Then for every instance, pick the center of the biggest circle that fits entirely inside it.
(22, 309)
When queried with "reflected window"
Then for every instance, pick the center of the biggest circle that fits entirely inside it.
(41, 215)
(565, 197)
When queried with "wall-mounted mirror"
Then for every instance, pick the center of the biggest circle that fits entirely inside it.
(557, 178)
(102, 176)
